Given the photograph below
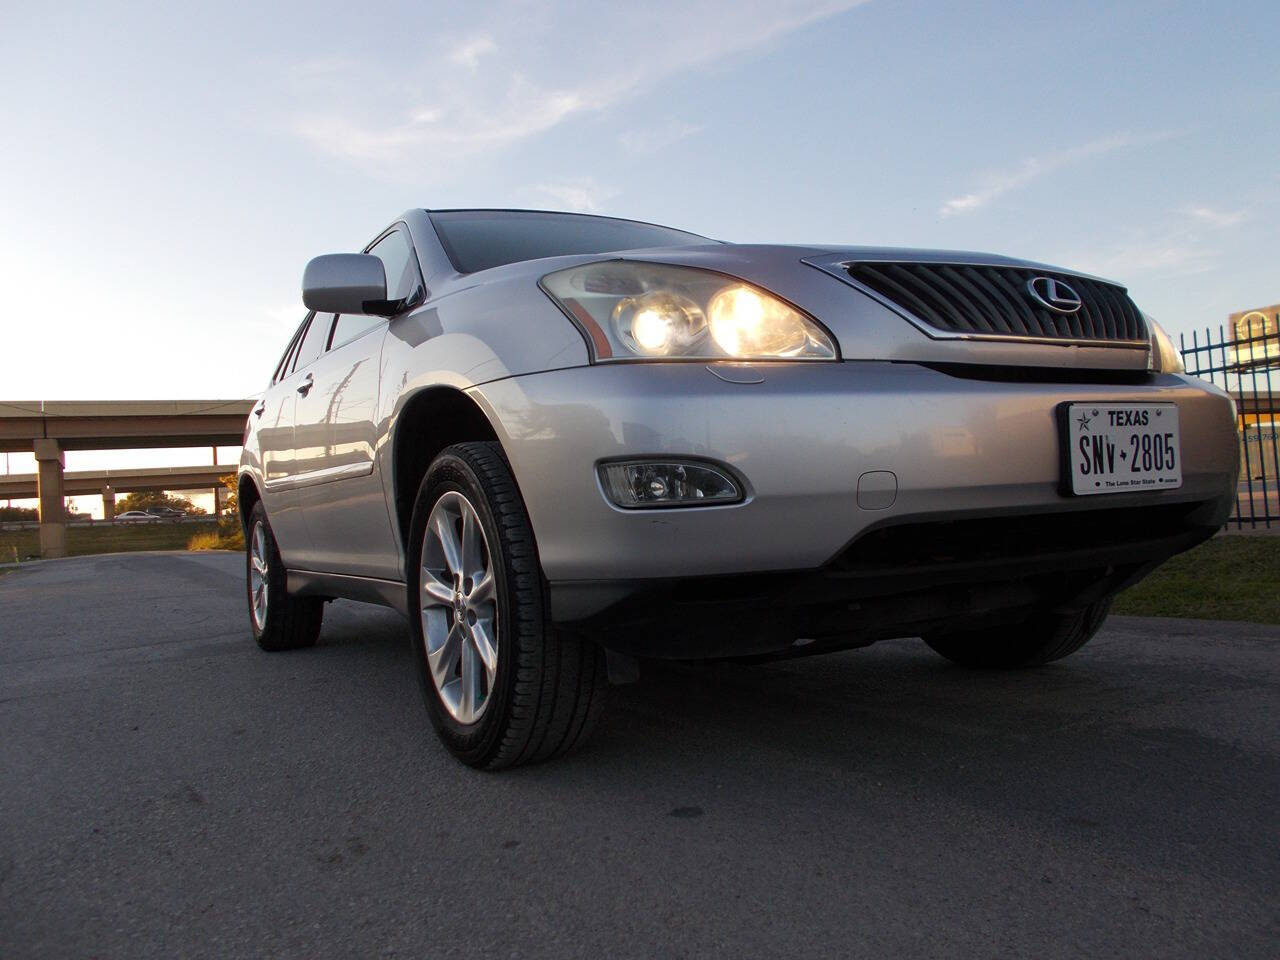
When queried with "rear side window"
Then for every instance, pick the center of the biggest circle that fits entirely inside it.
(314, 340)
(480, 239)
(286, 362)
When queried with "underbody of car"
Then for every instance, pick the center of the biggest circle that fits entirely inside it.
(699, 449)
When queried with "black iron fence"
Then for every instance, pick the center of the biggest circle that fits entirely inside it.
(1247, 368)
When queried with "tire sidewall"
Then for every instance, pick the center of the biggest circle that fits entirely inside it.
(1033, 643)
(450, 472)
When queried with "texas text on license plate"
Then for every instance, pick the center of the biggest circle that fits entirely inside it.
(1122, 447)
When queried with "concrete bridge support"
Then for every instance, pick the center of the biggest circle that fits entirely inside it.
(108, 502)
(53, 513)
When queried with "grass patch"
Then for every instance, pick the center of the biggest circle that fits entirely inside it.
(102, 538)
(217, 540)
(1226, 578)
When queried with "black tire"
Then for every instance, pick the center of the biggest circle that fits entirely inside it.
(1031, 643)
(290, 622)
(548, 689)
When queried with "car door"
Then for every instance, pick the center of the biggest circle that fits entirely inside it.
(339, 489)
(275, 413)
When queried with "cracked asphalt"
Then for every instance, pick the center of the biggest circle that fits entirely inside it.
(170, 791)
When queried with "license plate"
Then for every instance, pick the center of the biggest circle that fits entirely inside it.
(1122, 447)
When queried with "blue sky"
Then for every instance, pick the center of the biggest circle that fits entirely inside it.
(167, 169)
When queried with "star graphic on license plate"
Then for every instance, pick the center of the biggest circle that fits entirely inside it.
(1084, 422)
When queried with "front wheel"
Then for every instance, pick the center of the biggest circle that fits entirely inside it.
(501, 686)
(1031, 643)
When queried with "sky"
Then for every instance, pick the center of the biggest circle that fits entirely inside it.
(167, 169)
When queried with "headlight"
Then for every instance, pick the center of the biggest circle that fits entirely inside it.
(631, 310)
(1164, 357)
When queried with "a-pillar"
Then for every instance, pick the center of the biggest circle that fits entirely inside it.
(108, 502)
(53, 514)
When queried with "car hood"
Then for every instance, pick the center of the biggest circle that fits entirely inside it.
(865, 326)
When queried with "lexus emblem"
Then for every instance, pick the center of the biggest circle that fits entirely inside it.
(1054, 294)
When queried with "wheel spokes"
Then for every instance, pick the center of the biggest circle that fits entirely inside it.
(482, 590)
(258, 575)
(444, 659)
(436, 592)
(442, 527)
(469, 675)
(459, 609)
(485, 649)
(472, 546)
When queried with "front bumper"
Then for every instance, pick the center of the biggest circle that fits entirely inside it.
(958, 447)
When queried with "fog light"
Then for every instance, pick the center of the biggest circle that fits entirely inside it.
(661, 483)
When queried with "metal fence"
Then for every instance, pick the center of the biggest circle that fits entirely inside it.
(1247, 368)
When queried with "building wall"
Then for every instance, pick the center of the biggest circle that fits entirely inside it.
(1248, 324)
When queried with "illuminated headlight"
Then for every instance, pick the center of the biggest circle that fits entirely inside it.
(1164, 357)
(643, 311)
(636, 484)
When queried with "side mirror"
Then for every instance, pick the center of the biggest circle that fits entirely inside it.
(346, 283)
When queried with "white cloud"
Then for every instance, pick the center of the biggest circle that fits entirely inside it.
(469, 52)
(437, 133)
(1151, 256)
(553, 66)
(579, 196)
(657, 139)
(1033, 168)
(1216, 218)
(1165, 248)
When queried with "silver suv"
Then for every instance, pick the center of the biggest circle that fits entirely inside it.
(561, 443)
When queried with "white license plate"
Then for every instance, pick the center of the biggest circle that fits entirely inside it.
(1123, 447)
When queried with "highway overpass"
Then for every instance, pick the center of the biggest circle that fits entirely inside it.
(122, 424)
(49, 428)
(79, 483)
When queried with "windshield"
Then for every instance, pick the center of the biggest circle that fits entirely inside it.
(480, 239)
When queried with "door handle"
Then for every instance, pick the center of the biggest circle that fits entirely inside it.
(307, 383)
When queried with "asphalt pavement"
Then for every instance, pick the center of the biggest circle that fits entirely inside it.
(168, 790)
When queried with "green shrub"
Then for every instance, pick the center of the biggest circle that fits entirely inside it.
(228, 536)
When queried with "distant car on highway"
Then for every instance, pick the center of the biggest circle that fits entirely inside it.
(136, 516)
(559, 443)
(166, 513)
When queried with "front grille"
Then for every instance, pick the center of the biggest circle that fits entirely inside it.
(995, 301)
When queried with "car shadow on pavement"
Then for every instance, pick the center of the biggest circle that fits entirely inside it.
(1091, 745)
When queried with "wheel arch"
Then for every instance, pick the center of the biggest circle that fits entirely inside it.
(247, 495)
(430, 420)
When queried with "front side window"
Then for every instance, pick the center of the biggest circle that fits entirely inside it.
(480, 239)
(401, 266)
(351, 325)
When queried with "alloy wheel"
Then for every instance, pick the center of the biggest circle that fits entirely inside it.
(459, 607)
(258, 575)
